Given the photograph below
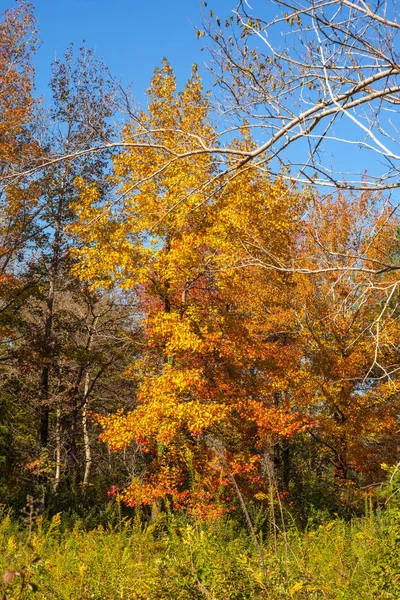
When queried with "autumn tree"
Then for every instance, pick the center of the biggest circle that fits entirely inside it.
(81, 108)
(17, 201)
(17, 217)
(349, 322)
(66, 338)
(216, 382)
(63, 317)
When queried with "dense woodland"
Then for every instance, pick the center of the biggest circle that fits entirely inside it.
(185, 333)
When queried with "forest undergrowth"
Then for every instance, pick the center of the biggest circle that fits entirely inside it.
(174, 558)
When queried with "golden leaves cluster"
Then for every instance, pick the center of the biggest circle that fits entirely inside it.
(241, 351)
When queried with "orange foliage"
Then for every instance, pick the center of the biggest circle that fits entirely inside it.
(17, 105)
(244, 351)
(349, 317)
(212, 368)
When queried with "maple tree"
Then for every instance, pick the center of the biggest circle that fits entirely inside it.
(349, 325)
(17, 106)
(217, 383)
(17, 209)
(258, 304)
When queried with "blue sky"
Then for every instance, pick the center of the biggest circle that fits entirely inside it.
(131, 36)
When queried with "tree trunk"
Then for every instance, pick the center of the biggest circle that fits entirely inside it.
(286, 463)
(86, 439)
(45, 376)
(86, 390)
(57, 477)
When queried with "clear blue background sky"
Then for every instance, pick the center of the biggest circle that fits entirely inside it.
(131, 36)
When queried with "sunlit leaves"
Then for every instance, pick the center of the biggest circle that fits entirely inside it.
(189, 241)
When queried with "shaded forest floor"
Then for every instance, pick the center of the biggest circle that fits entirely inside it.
(173, 558)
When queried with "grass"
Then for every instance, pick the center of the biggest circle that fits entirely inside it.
(175, 558)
